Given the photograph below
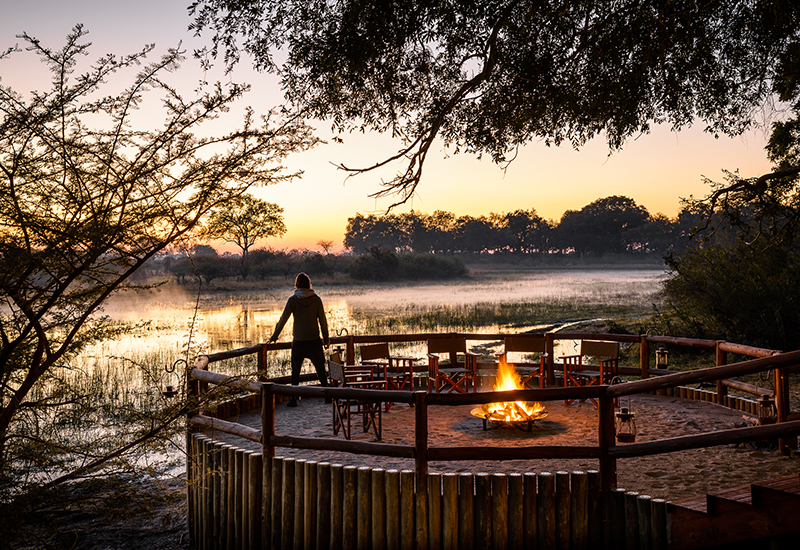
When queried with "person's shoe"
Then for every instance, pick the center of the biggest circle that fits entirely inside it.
(292, 402)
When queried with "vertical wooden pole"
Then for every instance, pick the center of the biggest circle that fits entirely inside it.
(608, 465)
(224, 475)
(516, 512)
(245, 499)
(563, 505)
(434, 511)
(658, 523)
(351, 351)
(546, 507)
(644, 356)
(530, 515)
(299, 503)
(579, 511)
(262, 363)
(785, 444)
(349, 507)
(722, 389)
(230, 502)
(378, 497)
(216, 491)
(407, 510)
(337, 501)
(267, 420)
(266, 501)
(450, 511)
(204, 501)
(254, 500)
(483, 511)
(595, 509)
(364, 508)
(549, 348)
(393, 510)
(645, 522)
(276, 506)
(421, 467)
(324, 509)
(287, 505)
(631, 519)
(466, 514)
(616, 513)
(499, 486)
(310, 505)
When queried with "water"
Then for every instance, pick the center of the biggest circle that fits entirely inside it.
(168, 320)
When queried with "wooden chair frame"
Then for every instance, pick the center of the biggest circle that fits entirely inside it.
(343, 409)
(607, 356)
(527, 343)
(453, 378)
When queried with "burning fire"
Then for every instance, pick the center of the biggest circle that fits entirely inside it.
(512, 411)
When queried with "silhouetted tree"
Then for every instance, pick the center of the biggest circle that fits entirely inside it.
(87, 197)
(244, 221)
(487, 77)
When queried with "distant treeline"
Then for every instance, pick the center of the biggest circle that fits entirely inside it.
(377, 265)
(613, 224)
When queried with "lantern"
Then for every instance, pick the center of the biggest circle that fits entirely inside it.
(169, 392)
(662, 358)
(625, 426)
(767, 413)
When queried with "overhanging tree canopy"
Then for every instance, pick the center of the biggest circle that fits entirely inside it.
(488, 76)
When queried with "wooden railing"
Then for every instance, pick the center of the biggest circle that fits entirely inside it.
(606, 451)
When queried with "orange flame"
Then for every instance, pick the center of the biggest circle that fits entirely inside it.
(512, 411)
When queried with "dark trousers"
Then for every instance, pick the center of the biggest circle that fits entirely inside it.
(312, 350)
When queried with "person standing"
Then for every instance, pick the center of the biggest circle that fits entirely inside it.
(308, 313)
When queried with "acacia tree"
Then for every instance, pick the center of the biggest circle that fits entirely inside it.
(486, 77)
(87, 197)
(244, 221)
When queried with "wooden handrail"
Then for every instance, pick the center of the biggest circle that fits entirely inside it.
(606, 451)
(712, 439)
(709, 374)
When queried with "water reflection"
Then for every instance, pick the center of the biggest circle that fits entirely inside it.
(228, 321)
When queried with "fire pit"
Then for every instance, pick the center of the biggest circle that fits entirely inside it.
(519, 414)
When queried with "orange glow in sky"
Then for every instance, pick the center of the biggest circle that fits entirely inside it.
(656, 170)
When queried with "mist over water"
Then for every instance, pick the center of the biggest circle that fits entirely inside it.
(224, 321)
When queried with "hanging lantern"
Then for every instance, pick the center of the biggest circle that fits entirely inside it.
(625, 426)
(767, 413)
(662, 358)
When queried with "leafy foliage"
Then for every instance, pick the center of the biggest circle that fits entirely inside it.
(244, 221)
(86, 199)
(486, 77)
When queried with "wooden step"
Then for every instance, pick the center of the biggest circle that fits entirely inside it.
(731, 500)
(777, 493)
(742, 513)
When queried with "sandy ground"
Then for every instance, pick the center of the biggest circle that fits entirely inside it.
(673, 476)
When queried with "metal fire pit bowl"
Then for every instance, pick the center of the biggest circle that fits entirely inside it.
(526, 425)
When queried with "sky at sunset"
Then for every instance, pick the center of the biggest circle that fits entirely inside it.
(656, 170)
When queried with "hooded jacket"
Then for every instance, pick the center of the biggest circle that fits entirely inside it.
(309, 317)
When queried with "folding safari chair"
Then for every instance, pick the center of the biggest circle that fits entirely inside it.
(343, 409)
(454, 377)
(578, 372)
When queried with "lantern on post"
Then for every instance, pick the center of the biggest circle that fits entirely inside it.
(662, 358)
(625, 425)
(170, 390)
(767, 413)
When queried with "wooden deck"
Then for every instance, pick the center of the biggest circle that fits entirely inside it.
(755, 511)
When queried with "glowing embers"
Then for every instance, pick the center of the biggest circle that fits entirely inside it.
(520, 414)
